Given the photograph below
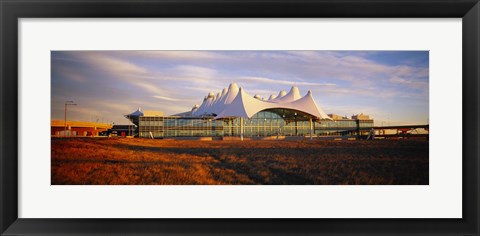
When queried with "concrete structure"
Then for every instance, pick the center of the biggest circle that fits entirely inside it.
(153, 113)
(360, 116)
(337, 117)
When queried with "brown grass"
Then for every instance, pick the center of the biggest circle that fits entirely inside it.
(167, 162)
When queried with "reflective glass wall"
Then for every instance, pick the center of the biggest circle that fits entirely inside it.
(270, 123)
(273, 122)
(179, 127)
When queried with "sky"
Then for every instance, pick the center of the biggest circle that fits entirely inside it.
(389, 86)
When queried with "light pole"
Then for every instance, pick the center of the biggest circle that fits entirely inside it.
(310, 122)
(241, 128)
(336, 128)
(264, 127)
(295, 117)
(67, 103)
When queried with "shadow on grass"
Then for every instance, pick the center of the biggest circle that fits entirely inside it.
(381, 163)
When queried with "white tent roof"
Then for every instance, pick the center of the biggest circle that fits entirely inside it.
(293, 95)
(134, 116)
(235, 102)
(136, 113)
(224, 91)
(209, 107)
(246, 106)
(281, 94)
(200, 110)
(231, 93)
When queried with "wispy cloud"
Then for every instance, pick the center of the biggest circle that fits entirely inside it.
(149, 87)
(111, 64)
(71, 74)
(250, 79)
(174, 55)
(166, 98)
(419, 84)
(173, 81)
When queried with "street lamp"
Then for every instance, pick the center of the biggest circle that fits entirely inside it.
(67, 103)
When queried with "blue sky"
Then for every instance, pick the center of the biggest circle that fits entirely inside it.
(390, 86)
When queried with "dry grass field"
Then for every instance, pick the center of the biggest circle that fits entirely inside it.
(106, 161)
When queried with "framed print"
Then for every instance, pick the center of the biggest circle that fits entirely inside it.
(315, 117)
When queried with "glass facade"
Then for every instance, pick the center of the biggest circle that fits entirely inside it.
(172, 126)
(272, 122)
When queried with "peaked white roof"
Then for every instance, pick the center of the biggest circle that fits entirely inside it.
(224, 91)
(134, 116)
(215, 107)
(231, 93)
(235, 102)
(293, 95)
(136, 113)
(246, 106)
(200, 109)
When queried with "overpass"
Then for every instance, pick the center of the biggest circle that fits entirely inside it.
(399, 131)
(402, 127)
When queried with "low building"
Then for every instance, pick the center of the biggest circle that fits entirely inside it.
(121, 131)
(60, 128)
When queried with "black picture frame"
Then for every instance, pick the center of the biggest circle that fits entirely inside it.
(11, 11)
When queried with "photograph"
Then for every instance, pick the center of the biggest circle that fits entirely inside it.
(239, 117)
(274, 117)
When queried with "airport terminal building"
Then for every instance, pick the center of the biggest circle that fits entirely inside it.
(234, 113)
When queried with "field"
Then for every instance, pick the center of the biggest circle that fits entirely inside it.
(106, 161)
